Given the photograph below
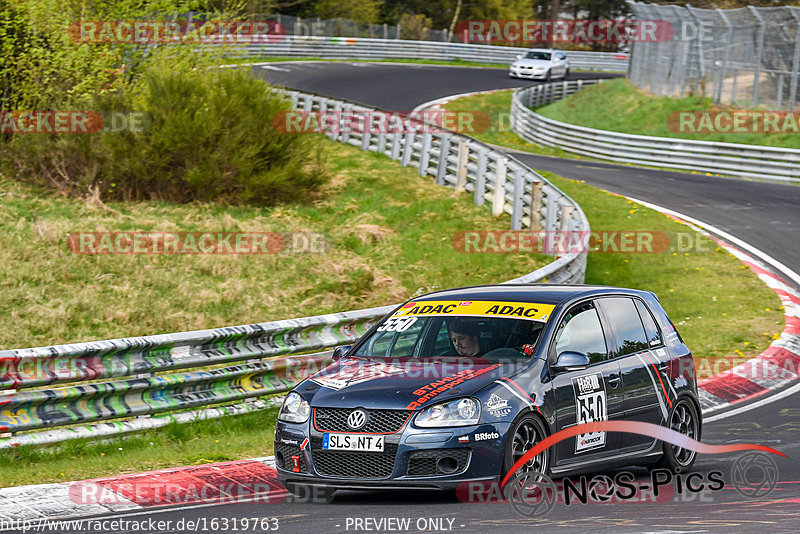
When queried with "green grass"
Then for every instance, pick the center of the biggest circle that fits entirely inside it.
(497, 106)
(618, 106)
(375, 213)
(277, 59)
(199, 442)
(720, 308)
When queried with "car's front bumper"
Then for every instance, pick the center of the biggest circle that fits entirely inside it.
(411, 458)
(527, 73)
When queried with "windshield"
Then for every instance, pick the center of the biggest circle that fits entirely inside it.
(436, 330)
(538, 55)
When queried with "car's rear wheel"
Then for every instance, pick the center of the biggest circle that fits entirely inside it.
(524, 435)
(566, 74)
(683, 419)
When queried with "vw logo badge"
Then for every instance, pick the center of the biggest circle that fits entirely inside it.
(357, 419)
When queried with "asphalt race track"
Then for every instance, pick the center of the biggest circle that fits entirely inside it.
(761, 214)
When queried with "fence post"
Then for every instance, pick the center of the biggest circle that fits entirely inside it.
(461, 169)
(535, 223)
(759, 55)
(724, 17)
(480, 179)
(795, 61)
(566, 227)
(499, 198)
(425, 155)
(444, 151)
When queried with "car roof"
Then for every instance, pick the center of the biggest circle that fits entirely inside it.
(543, 50)
(541, 293)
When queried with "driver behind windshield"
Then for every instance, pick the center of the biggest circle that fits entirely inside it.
(464, 336)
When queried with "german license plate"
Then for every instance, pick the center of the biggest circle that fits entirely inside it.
(352, 442)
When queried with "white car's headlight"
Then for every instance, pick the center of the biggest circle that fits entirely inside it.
(459, 412)
(295, 409)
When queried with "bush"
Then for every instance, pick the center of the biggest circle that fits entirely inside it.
(209, 136)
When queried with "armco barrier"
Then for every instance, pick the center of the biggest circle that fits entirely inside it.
(730, 159)
(267, 357)
(364, 48)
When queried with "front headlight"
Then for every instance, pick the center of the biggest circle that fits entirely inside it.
(459, 412)
(295, 409)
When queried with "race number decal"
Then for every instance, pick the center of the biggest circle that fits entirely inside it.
(590, 406)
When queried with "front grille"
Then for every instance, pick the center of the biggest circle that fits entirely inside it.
(423, 463)
(283, 456)
(345, 464)
(379, 421)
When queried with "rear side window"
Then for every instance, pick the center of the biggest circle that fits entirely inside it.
(650, 328)
(626, 324)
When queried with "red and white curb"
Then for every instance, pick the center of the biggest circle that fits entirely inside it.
(779, 365)
(253, 480)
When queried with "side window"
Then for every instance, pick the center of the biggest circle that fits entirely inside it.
(650, 328)
(580, 331)
(625, 323)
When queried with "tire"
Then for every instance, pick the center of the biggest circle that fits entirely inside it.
(566, 74)
(524, 433)
(547, 76)
(683, 418)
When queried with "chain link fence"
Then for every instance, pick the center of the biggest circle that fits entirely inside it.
(747, 57)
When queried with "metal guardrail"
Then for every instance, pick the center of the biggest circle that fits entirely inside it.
(751, 161)
(262, 352)
(365, 48)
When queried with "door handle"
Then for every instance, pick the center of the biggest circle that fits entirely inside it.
(613, 379)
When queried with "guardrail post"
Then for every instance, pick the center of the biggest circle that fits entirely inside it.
(425, 155)
(461, 169)
(480, 179)
(381, 142)
(347, 108)
(408, 148)
(519, 192)
(535, 223)
(499, 197)
(366, 125)
(444, 151)
(395, 146)
(566, 228)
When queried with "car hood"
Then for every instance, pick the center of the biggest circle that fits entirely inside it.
(523, 62)
(399, 384)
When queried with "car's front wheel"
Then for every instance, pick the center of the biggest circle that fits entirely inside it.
(683, 419)
(566, 74)
(524, 435)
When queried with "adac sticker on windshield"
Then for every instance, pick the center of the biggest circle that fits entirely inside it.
(478, 308)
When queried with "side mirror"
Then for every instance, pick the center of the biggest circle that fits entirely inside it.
(519, 56)
(341, 351)
(571, 361)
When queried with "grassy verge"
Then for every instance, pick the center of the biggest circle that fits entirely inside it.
(374, 213)
(721, 308)
(618, 106)
(281, 59)
(199, 442)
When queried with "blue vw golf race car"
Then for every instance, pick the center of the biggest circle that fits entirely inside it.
(456, 386)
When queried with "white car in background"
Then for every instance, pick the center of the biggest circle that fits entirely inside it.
(540, 64)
